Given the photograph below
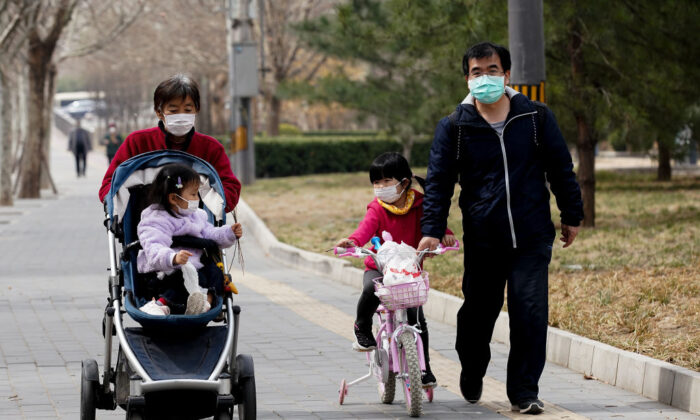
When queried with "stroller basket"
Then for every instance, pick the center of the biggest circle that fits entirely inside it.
(403, 295)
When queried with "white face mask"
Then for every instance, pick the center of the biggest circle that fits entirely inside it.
(179, 124)
(112, 130)
(389, 194)
(192, 206)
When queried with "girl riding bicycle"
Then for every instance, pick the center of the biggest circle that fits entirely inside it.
(396, 209)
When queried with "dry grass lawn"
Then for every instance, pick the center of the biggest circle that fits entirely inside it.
(632, 282)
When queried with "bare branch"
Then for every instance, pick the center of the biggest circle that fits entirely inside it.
(124, 24)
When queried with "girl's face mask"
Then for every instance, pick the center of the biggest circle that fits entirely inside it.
(389, 194)
(192, 206)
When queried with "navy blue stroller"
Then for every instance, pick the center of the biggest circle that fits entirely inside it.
(174, 366)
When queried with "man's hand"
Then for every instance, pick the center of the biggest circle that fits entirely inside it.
(181, 257)
(429, 243)
(568, 234)
(237, 230)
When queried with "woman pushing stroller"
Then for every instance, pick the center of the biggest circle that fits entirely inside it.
(175, 212)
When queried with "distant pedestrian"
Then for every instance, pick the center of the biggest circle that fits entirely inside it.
(112, 140)
(80, 144)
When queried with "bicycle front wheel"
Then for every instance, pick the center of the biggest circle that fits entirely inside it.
(411, 374)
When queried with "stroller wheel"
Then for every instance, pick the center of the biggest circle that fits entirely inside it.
(247, 407)
(89, 380)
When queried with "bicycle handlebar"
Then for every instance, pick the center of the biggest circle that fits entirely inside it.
(359, 252)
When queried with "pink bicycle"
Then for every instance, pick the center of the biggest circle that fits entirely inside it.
(399, 353)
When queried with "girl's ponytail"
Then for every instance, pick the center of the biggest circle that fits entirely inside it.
(421, 181)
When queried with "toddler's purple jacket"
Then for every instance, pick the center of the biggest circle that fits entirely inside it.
(157, 228)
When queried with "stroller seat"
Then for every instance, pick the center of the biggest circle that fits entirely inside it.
(133, 279)
(188, 355)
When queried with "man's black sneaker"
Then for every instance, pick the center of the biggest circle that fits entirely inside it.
(470, 391)
(429, 380)
(530, 406)
(364, 341)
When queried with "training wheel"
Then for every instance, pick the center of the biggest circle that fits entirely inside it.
(429, 394)
(342, 392)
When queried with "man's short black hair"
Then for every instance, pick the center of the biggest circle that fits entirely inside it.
(178, 86)
(483, 50)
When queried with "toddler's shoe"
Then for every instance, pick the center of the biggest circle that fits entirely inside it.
(364, 340)
(155, 308)
(197, 304)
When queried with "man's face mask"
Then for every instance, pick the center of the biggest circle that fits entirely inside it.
(487, 89)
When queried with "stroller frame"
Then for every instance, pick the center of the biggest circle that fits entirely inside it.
(232, 379)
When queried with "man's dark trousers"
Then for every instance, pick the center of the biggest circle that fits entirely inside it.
(487, 272)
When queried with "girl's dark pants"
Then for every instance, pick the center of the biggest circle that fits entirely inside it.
(487, 272)
(172, 287)
(368, 304)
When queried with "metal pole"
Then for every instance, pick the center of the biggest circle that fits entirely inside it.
(526, 44)
(243, 82)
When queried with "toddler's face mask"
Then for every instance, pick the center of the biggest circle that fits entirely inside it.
(192, 206)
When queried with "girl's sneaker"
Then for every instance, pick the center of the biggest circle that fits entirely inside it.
(154, 307)
(428, 379)
(197, 304)
(364, 341)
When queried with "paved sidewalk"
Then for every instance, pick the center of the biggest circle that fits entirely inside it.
(297, 326)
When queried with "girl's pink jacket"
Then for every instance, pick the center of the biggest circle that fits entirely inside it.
(404, 228)
(157, 228)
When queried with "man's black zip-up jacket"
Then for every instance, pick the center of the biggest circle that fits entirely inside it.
(504, 198)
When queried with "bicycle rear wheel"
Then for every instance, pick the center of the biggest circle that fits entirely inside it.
(410, 374)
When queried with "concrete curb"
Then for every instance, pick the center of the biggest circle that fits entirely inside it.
(652, 378)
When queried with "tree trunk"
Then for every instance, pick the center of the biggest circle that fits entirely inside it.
(6, 156)
(407, 144)
(663, 172)
(585, 147)
(30, 182)
(274, 107)
(585, 141)
(48, 117)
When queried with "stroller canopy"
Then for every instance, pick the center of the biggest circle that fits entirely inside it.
(142, 169)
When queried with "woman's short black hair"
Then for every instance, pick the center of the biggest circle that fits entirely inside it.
(172, 178)
(483, 50)
(392, 165)
(178, 86)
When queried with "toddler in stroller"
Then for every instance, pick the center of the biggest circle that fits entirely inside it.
(181, 277)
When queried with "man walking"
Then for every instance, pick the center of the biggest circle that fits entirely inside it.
(80, 144)
(504, 149)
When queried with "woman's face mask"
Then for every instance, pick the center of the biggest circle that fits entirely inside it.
(389, 194)
(179, 124)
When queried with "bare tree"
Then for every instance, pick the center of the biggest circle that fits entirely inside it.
(12, 13)
(284, 52)
(44, 28)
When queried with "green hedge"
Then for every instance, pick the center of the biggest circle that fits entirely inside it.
(314, 156)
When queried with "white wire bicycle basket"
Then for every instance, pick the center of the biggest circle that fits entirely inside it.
(403, 295)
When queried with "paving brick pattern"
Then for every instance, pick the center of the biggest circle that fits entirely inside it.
(53, 288)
